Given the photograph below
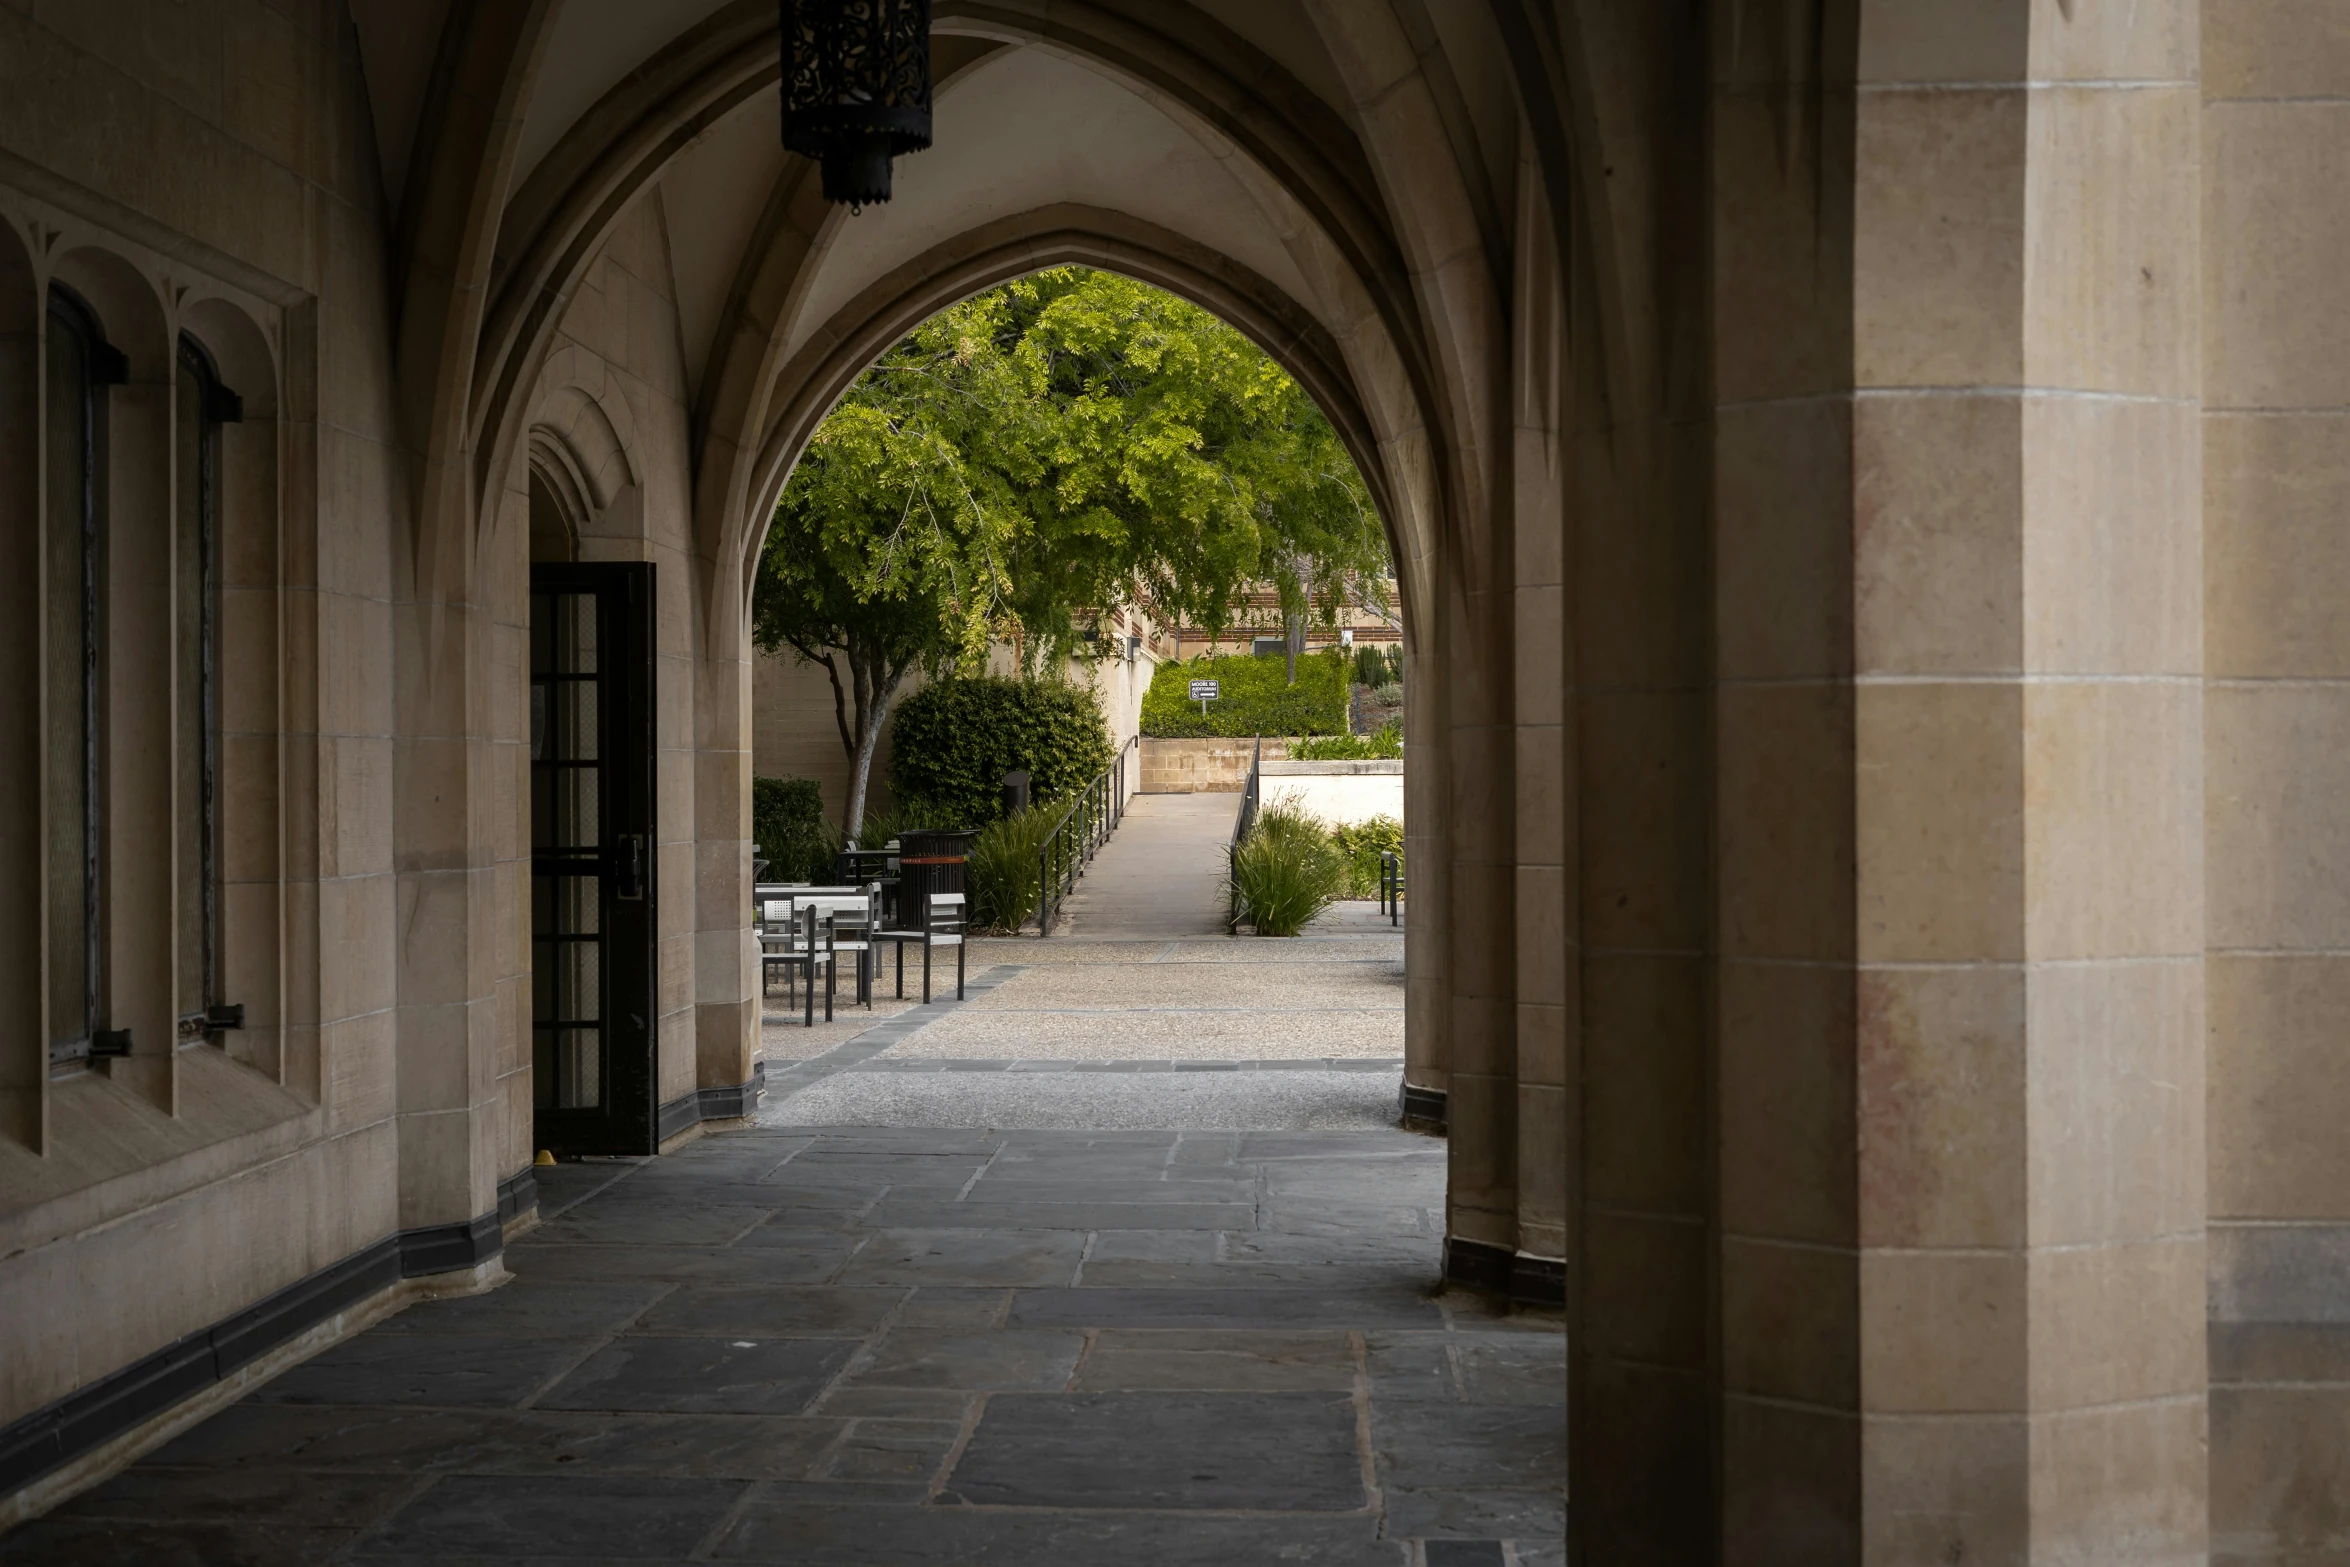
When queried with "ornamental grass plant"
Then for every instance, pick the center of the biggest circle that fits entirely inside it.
(1001, 869)
(1362, 843)
(1287, 871)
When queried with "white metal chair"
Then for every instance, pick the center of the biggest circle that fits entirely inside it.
(942, 926)
(797, 937)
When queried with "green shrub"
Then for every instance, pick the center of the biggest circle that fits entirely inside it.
(1388, 695)
(1256, 697)
(1370, 665)
(788, 824)
(1286, 871)
(1361, 843)
(952, 743)
(1002, 872)
(1384, 744)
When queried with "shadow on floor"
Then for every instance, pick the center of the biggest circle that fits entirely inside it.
(892, 1346)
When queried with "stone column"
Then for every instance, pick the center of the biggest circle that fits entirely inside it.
(1959, 909)
(2276, 443)
(726, 953)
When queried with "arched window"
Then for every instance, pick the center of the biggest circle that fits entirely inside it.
(79, 363)
(203, 405)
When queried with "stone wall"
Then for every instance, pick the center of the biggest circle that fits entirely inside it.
(1200, 766)
(161, 1193)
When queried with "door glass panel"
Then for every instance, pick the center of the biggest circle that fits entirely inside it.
(567, 835)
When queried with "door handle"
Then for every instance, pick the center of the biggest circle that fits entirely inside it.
(629, 851)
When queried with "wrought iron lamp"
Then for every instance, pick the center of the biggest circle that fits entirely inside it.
(856, 89)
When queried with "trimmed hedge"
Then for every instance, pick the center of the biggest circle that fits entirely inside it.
(1257, 698)
(952, 742)
(1384, 744)
(787, 822)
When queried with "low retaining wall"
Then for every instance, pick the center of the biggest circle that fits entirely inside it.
(1201, 766)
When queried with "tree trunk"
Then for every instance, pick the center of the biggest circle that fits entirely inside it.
(1293, 627)
(875, 685)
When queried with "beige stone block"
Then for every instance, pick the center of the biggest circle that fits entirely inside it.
(1641, 600)
(1644, 824)
(1939, 822)
(2276, 49)
(436, 1168)
(1937, 573)
(1544, 956)
(1938, 238)
(1482, 1031)
(250, 949)
(1790, 1483)
(248, 807)
(2279, 1085)
(2280, 1471)
(355, 806)
(2113, 216)
(1946, 1489)
(2276, 317)
(2116, 1143)
(1643, 1044)
(1546, 1043)
(1542, 1169)
(2116, 1324)
(2153, 41)
(1941, 1102)
(430, 781)
(1944, 1332)
(1644, 1288)
(360, 1073)
(1481, 1184)
(2122, 1485)
(355, 658)
(1788, 1143)
(356, 923)
(1922, 41)
(1782, 299)
(2277, 815)
(246, 663)
(1783, 496)
(1545, 795)
(2113, 860)
(1539, 654)
(2112, 548)
(437, 924)
(1791, 1322)
(2275, 487)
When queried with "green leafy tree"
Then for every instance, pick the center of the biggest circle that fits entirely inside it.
(1034, 459)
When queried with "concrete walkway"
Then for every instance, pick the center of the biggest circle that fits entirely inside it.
(874, 1348)
(1161, 873)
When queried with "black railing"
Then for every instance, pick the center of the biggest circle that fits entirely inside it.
(1391, 887)
(1244, 821)
(1083, 828)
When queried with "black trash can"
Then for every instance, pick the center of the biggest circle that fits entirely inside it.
(928, 862)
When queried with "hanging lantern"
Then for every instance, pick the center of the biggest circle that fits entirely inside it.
(856, 89)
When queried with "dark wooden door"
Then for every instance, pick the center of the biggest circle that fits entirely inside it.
(593, 930)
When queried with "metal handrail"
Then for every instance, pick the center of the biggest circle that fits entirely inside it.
(1391, 887)
(1083, 828)
(1243, 822)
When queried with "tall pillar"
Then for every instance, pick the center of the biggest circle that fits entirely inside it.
(2276, 443)
(1959, 911)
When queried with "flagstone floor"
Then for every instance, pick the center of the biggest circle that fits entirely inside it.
(907, 1347)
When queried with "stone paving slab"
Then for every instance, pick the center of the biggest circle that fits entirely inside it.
(1288, 1452)
(1162, 1034)
(1210, 1101)
(1259, 987)
(831, 1386)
